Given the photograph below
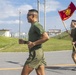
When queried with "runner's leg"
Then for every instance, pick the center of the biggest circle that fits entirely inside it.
(26, 70)
(40, 70)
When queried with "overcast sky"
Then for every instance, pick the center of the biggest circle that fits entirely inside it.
(9, 14)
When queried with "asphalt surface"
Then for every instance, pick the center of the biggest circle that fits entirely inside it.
(58, 63)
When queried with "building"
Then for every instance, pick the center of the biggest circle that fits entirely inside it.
(5, 32)
(54, 32)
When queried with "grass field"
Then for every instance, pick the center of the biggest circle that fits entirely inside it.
(61, 42)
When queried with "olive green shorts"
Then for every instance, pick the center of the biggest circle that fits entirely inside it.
(36, 58)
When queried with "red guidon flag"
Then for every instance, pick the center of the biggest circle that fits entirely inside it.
(67, 13)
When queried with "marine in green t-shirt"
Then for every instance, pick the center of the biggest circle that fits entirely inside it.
(35, 33)
(36, 37)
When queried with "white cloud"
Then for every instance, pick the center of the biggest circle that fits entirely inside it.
(7, 9)
(24, 8)
(51, 5)
(10, 22)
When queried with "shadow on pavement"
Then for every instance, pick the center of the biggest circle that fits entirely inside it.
(15, 63)
(61, 68)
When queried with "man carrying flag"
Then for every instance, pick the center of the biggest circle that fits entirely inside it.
(65, 14)
(73, 35)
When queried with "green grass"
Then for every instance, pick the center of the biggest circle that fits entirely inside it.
(57, 44)
(64, 36)
(53, 44)
(11, 45)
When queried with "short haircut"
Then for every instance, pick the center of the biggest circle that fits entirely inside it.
(73, 20)
(73, 23)
(33, 10)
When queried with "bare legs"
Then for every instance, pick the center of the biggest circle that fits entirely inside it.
(27, 70)
(40, 70)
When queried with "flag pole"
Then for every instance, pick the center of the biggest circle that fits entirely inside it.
(64, 26)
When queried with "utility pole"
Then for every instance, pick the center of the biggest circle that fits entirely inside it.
(45, 15)
(19, 23)
(38, 5)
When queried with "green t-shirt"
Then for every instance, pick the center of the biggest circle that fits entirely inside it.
(35, 32)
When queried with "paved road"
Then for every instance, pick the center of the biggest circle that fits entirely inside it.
(58, 63)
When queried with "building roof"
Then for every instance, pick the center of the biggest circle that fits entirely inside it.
(4, 30)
